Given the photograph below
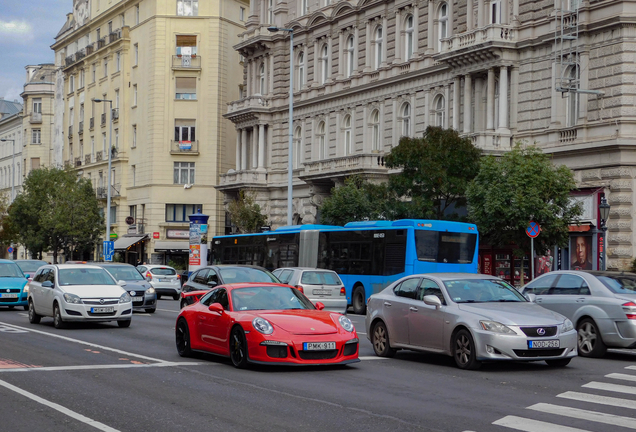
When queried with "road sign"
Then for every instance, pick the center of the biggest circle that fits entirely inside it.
(109, 250)
(533, 229)
(10, 249)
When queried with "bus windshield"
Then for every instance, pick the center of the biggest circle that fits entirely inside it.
(445, 247)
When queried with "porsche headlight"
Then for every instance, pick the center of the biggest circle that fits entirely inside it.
(125, 298)
(72, 298)
(496, 327)
(567, 326)
(345, 323)
(262, 326)
(150, 290)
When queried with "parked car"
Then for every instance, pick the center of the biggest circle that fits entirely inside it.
(30, 266)
(164, 280)
(143, 295)
(601, 304)
(204, 279)
(320, 285)
(78, 292)
(265, 323)
(12, 285)
(472, 317)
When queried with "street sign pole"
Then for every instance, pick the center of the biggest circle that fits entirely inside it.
(533, 230)
(531, 258)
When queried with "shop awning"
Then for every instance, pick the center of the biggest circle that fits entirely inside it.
(124, 243)
(164, 246)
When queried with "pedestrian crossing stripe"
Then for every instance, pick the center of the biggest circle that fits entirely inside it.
(529, 425)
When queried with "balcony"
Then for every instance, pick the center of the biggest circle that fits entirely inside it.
(479, 44)
(115, 114)
(90, 48)
(184, 148)
(78, 161)
(190, 62)
(80, 128)
(242, 179)
(114, 36)
(114, 191)
(91, 123)
(101, 43)
(99, 156)
(87, 159)
(36, 117)
(104, 119)
(325, 171)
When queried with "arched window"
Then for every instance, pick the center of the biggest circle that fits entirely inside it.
(409, 32)
(351, 53)
(301, 70)
(572, 109)
(261, 74)
(406, 119)
(346, 127)
(440, 111)
(298, 148)
(378, 47)
(443, 24)
(322, 140)
(324, 64)
(375, 129)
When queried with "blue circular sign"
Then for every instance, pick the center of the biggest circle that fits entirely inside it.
(533, 229)
(10, 249)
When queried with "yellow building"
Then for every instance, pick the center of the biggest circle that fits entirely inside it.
(169, 70)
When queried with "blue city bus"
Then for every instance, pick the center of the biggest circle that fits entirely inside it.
(368, 256)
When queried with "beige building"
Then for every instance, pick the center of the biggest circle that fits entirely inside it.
(169, 69)
(11, 141)
(556, 73)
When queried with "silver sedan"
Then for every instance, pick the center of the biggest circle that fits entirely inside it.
(473, 318)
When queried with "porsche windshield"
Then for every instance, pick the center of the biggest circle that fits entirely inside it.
(269, 298)
(482, 291)
(85, 276)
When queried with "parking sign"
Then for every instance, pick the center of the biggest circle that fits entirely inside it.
(109, 250)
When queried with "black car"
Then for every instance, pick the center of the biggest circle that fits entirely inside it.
(143, 294)
(208, 277)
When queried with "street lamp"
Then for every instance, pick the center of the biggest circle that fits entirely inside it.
(604, 210)
(13, 166)
(110, 152)
(290, 162)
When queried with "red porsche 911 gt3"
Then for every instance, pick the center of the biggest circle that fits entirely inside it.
(265, 323)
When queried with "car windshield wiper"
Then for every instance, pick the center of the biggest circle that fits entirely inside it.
(507, 301)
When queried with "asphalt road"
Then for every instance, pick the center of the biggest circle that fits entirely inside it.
(100, 377)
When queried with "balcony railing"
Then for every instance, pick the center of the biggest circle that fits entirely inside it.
(78, 161)
(568, 135)
(90, 48)
(186, 61)
(36, 117)
(103, 119)
(184, 147)
(101, 43)
(99, 156)
(69, 60)
(114, 191)
(87, 159)
(116, 35)
(115, 114)
(91, 123)
(80, 128)
(492, 33)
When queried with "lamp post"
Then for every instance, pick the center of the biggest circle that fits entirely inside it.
(604, 210)
(110, 152)
(290, 162)
(12, 166)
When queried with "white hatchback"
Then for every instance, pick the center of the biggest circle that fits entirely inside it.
(318, 285)
(164, 280)
(78, 292)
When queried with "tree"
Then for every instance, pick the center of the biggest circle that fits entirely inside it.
(356, 200)
(246, 214)
(520, 186)
(436, 170)
(57, 211)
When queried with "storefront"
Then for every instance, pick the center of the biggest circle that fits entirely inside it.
(171, 252)
(131, 249)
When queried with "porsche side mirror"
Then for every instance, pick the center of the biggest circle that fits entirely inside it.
(432, 300)
(216, 307)
(320, 306)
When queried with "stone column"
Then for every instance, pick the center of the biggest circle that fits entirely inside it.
(367, 56)
(357, 49)
(481, 15)
(490, 101)
(468, 90)
(248, 78)
(456, 96)
(514, 96)
(254, 151)
(416, 27)
(316, 63)
(469, 15)
(430, 44)
(446, 105)
(385, 41)
(341, 56)
(479, 120)
(503, 97)
(239, 132)
(243, 149)
(505, 12)
(261, 146)
(427, 108)
(398, 37)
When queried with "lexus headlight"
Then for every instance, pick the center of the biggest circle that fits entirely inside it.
(567, 326)
(72, 298)
(150, 290)
(262, 326)
(125, 298)
(496, 327)
(345, 323)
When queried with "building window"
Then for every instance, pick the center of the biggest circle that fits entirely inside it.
(37, 105)
(82, 74)
(104, 154)
(113, 214)
(378, 47)
(187, 7)
(134, 137)
(134, 94)
(105, 66)
(375, 129)
(270, 11)
(117, 99)
(184, 173)
(406, 119)
(180, 212)
(301, 70)
(347, 135)
(322, 140)
(242, 14)
(303, 7)
(94, 72)
(184, 130)
(136, 54)
(71, 84)
(133, 169)
(261, 74)
(35, 163)
(116, 138)
(36, 136)
(495, 12)
(137, 14)
(117, 61)
(440, 111)
(186, 88)
(298, 140)
(409, 31)
(351, 54)
(186, 45)
(324, 64)
(572, 108)
(443, 24)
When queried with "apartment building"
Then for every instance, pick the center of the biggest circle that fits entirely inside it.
(556, 73)
(11, 141)
(168, 69)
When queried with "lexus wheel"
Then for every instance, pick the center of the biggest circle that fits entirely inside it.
(380, 341)
(464, 351)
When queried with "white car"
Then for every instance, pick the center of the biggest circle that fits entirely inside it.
(164, 280)
(318, 285)
(78, 292)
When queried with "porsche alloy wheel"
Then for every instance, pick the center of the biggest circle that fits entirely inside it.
(464, 351)
(380, 340)
(238, 348)
(183, 339)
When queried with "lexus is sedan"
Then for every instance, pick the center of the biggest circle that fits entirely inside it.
(473, 318)
(266, 323)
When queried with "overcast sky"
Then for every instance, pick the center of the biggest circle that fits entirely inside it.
(27, 31)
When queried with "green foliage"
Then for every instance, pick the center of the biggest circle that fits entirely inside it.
(356, 200)
(520, 186)
(435, 171)
(177, 265)
(56, 212)
(246, 214)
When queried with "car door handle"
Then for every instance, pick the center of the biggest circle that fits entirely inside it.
(387, 304)
(414, 309)
(580, 300)
(538, 300)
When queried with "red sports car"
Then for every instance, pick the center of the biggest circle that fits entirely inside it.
(265, 323)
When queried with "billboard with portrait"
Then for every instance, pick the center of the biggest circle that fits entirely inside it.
(580, 252)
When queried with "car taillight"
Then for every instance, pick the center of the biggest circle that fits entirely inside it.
(178, 277)
(630, 310)
(342, 291)
(299, 288)
(148, 276)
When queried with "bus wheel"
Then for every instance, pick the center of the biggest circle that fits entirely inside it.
(357, 300)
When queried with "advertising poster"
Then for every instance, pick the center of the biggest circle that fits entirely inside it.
(580, 252)
(543, 264)
(195, 254)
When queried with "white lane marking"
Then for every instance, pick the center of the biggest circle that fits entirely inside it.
(372, 358)
(580, 414)
(611, 387)
(102, 347)
(93, 367)
(5, 329)
(620, 376)
(631, 367)
(529, 425)
(602, 400)
(60, 408)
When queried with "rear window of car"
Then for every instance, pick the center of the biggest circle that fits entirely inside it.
(163, 271)
(124, 272)
(246, 274)
(320, 278)
(30, 266)
(619, 284)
